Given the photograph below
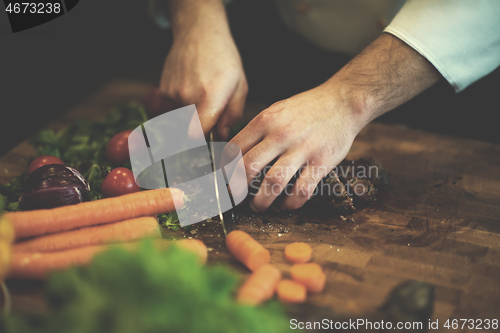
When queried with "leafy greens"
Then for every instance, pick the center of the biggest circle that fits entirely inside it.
(147, 291)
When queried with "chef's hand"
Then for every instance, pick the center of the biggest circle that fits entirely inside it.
(316, 129)
(313, 130)
(203, 66)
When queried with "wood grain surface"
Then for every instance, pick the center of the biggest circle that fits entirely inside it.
(438, 221)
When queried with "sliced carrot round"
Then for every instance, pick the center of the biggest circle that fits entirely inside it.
(310, 275)
(298, 253)
(290, 291)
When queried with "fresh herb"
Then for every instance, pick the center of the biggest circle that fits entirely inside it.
(95, 176)
(169, 221)
(83, 143)
(11, 192)
(147, 291)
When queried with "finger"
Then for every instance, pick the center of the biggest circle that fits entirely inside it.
(234, 110)
(275, 180)
(256, 160)
(260, 156)
(305, 186)
(250, 135)
(211, 106)
(174, 90)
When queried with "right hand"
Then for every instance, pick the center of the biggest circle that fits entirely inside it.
(204, 68)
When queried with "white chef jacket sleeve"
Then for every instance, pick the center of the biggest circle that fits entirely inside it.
(461, 38)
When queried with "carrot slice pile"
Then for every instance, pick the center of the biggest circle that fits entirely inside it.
(298, 253)
(260, 285)
(247, 250)
(311, 275)
(290, 291)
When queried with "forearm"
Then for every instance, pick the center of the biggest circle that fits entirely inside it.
(203, 15)
(385, 75)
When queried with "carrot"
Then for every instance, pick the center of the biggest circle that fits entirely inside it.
(310, 275)
(123, 231)
(36, 265)
(260, 285)
(290, 291)
(247, 250)
(128, 206)
(298, 253)
(196, 246)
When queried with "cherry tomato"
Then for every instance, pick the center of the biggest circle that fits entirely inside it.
(118, 182)
(156, 103)
(40, 161)
(117, 148)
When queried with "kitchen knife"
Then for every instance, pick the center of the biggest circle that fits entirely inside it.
(229, 214)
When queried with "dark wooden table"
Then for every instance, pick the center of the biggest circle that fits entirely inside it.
(438, 222)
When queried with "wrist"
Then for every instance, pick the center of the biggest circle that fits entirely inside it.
(357, 106)
(198, 17)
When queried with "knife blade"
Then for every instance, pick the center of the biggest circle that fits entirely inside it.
(214, 169)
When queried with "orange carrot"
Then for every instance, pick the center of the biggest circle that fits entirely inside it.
(123, 231)
(128, 206)
(310, 275)
(247, 250)
(260, 285)
(36, 265)
(196, 246)
(290, 291)
(298, 253)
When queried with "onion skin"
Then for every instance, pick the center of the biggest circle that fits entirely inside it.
(50, 198)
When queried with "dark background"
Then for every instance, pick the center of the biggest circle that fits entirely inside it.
(46, 70)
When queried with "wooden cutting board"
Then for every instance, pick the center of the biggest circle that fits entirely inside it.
(438, 221)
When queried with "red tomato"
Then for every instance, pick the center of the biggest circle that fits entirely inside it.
(40, 161)
(118, 182)
(117, 148)
(157, 104)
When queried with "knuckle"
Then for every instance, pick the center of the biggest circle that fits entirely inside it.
(259, 120)
(185, 93)
(281, 134)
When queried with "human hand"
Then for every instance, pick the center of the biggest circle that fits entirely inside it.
(204, 68)
(312, 131)
(315, 129)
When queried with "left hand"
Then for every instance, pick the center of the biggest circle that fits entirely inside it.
(314, 130)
